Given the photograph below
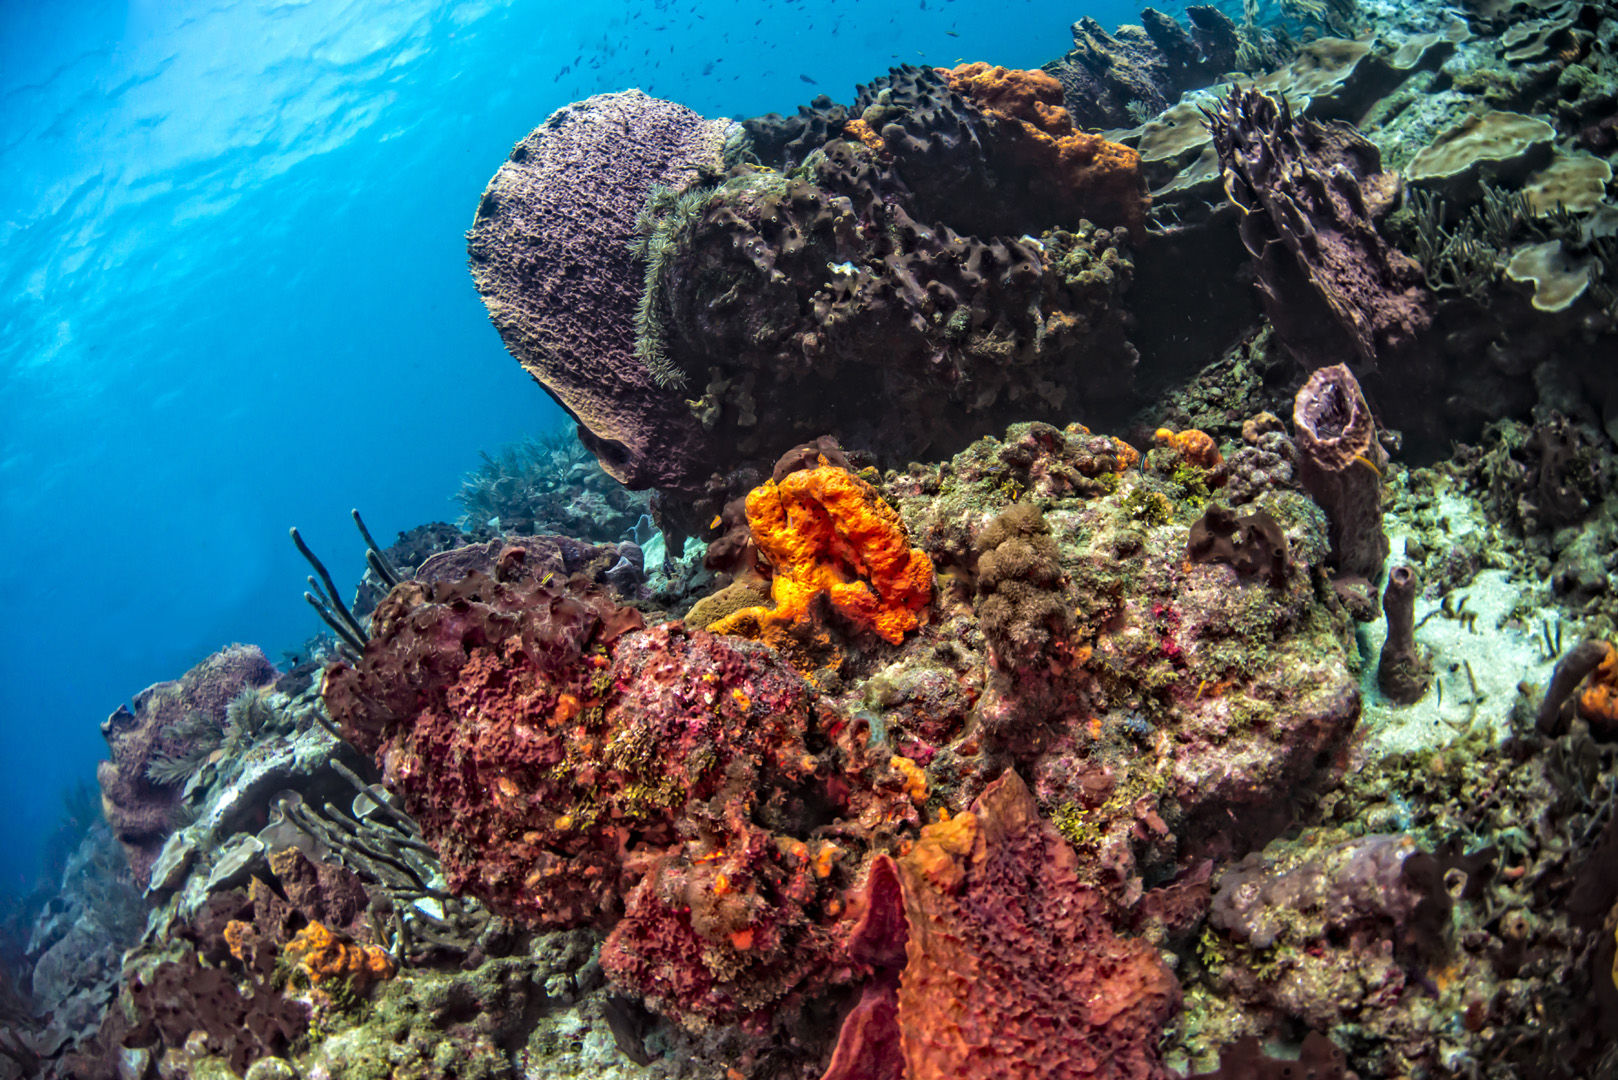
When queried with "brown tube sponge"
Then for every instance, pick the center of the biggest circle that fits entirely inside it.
(1402, 673)
(1340, 464)
(1570, 671)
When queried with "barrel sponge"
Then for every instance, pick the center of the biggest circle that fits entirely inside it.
(1103, 177)
(550, 254)
(826, 531)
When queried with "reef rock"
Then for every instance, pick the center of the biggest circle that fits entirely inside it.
(141, 808)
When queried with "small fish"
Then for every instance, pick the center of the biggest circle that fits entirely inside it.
(808, 80)
(952, 33)
(1368, 463)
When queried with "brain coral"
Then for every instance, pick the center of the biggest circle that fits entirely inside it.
(550, 254)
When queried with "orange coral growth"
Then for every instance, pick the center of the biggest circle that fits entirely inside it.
(1104, 176)
(239, 937)
(1599, 702)
(323, 955)
(1128, 456)
(1194, 447)
(1033, 97)
(828, 533)
(859, 129)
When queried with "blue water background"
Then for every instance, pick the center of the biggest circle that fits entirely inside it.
(233, 295)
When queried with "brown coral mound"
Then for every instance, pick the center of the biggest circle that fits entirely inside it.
(167, 722)
(1104, 177)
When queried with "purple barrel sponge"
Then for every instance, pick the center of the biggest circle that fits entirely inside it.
(550, 252)
(1340, 464)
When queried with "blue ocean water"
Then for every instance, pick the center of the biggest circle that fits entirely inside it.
(233, 294)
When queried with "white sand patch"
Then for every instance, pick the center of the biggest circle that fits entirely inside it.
(1479, 653)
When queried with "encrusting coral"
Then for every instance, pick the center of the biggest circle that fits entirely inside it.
(687, 790)
(1104, 177)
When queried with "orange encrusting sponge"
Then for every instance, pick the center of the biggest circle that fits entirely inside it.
(826, 531)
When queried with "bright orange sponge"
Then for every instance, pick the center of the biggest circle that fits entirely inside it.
(1105, 176)
(1194, 446)
(826, 531)
(324, 955)
(1599, 702)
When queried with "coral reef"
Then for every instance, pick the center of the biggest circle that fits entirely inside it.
(1116, 80)
(1165, 671)
(548, 242)
(660, 782)
(140, 798)
(1040, 760)
(1310, 196)
(828, 300)
(78, 940)
(550, 486)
